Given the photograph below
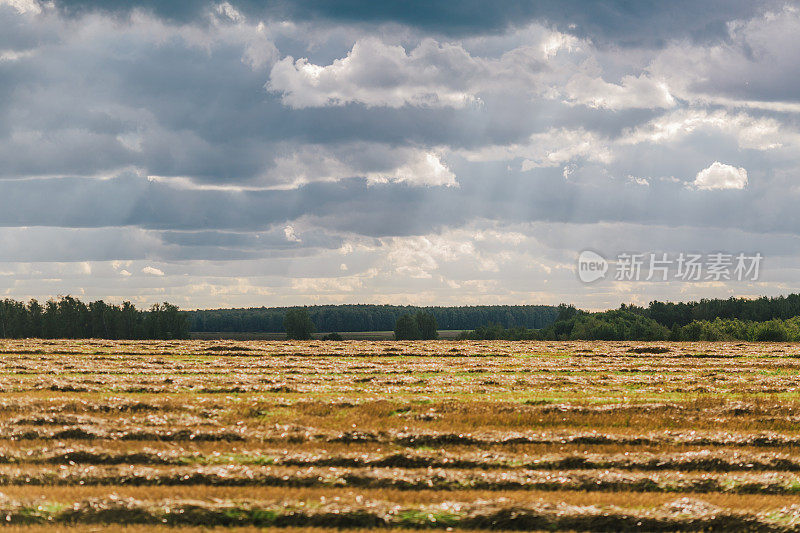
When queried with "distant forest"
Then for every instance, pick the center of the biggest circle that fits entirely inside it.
(336, 318)
(762, 319)
(756, 310)
(70, 318)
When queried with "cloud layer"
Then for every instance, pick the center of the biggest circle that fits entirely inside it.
(235, 154)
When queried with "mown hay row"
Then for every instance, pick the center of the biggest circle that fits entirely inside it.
(411, 439)
(406, 479)
(199, 348)
(681, 515)
(707, 461)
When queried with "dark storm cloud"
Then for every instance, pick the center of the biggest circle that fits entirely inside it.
(187, 111)
(649, 22)
(131, 200)
(193, 111)
(174, 108)
(622, 22)
(42, 244)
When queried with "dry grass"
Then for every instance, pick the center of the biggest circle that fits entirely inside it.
(749, 502)
(618, 425)
(97, 528)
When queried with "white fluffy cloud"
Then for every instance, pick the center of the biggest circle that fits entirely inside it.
(721, 176)
(549, 149)
(377, 74)
(435, 74)
(23, 6)
(426, 168)
(377, 163)
(152, 271)
(756, 133)
(632, 92)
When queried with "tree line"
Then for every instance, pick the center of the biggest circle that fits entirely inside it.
(762, 319)
(70, 318)
(624, 324)
(333, 318)
(421, 325)
(761, 309)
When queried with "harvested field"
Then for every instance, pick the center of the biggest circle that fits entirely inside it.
(372, 435)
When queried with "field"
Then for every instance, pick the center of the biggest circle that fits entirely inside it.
(444, 334)
(370, 435)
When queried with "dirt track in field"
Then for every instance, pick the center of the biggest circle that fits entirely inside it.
(359, 434)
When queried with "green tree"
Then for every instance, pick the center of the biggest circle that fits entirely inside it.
(426, 323)
(129, 318)
(298, 324)
(99, 316)
(35, 319)
(407, 328)
(175, 323)
(50, 325)
(566, 312)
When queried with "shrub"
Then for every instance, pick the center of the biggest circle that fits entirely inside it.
(772, 331)
(611, 325)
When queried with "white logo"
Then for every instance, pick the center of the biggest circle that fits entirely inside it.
(591, 266)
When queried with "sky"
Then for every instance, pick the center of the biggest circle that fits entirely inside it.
(300, 152)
